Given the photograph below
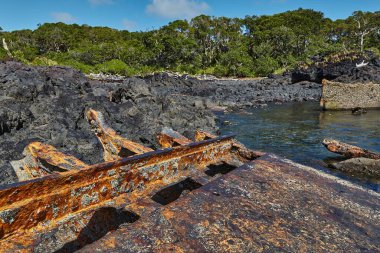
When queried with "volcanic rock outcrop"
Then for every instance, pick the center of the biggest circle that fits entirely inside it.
(48, 104)
(351, 68)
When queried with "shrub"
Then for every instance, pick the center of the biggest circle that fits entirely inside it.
(78, 65)
(3, 54)
(116, 67)
(43, 61)
(264, 66)
(375, 50)
(19, 55)
(220, 71)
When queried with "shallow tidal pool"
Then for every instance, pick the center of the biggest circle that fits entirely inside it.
(296, 131)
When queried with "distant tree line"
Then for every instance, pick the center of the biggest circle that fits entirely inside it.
(250, 46)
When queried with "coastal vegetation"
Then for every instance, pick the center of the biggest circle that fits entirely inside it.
(244, 47)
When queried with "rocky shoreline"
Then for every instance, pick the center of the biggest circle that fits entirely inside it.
(48, 104)
(235, 94)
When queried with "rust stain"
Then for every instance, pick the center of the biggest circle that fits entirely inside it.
(168, 214)
(110, 243)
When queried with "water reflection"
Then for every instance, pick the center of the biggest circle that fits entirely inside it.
(296, 131)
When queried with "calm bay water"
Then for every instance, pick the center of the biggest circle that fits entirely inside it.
(296, 131)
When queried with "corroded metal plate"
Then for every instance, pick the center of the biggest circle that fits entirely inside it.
(268, 205)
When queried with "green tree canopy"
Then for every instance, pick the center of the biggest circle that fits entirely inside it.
(254, 45)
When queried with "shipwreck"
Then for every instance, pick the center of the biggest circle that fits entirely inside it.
(208, 194)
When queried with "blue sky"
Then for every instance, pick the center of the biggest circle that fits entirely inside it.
(142, 15)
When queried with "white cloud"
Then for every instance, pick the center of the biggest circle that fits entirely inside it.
(100, 2)
(177, 8)
(63, 17)
(128, 24)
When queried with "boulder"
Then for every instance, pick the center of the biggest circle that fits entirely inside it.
(359, 166)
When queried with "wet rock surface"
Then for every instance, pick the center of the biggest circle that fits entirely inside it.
(359, 166)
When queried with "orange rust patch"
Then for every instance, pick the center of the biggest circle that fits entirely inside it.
(202, 135)
(42, 159)
(168, 214)
(169, 138)
(110, 242)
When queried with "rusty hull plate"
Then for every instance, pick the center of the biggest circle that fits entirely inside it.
(268, 205)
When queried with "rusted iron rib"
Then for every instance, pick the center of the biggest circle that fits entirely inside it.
(202, 135)
(42, 159)
(113, 144)
(348, 150)
(169, 138)
(27, 204)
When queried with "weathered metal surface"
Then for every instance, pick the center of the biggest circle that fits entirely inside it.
(202, 135)
(169, 138)
(42, 159)
(348, 150)
(267, 205)
(338, 96)
(238, 148)
(43, 203)
(113, 144)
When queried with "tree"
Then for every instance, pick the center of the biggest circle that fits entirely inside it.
(365, 25)
(236, 61)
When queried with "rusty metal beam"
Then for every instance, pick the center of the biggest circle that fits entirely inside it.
(26, 205)
(42, 159)
(169, 138)
(113, 144)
